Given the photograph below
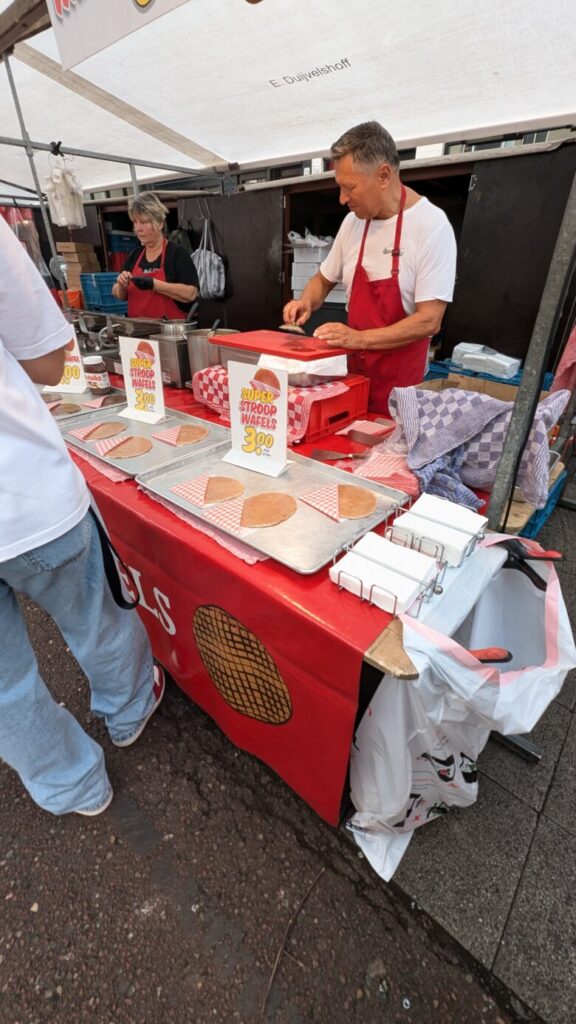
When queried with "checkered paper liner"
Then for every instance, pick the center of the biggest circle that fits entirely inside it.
(210, 386)
(366, 427)
(325, 499)
(168, 436)
(192, 491)
(390, 469)
(117, 476)
(95, 403)
(81, 432)
(228, 516)
(103, 446)
(106, 445)
(235, 547)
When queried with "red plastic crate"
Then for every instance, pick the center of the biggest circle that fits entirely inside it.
(331, 414)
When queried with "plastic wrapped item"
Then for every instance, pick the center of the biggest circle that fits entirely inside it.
(21, 220)
(65, 198)
(485, 360)
(310, 249)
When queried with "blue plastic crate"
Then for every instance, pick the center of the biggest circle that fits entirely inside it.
(442, 367)
(97, 289)
(122, 242)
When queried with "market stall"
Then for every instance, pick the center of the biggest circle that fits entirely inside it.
(275, 657)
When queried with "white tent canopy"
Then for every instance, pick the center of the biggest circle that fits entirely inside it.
(231, 82)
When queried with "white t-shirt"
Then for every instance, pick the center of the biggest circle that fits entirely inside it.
(427, 254)
(42, 493)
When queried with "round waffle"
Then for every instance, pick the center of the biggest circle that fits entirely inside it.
(51, 397)
(355, 502)
(268, 509)
(240, 667)
(65, 409)
(130, 448)
(222, 488)
(191, 434)
(104, 430)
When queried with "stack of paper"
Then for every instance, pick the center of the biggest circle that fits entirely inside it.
(332, 366)
(444, 523)
(374, 569)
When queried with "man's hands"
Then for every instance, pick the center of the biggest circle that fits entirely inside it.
(297, 312)
(338, 335)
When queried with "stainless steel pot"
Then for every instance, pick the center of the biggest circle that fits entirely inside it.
(175, 328)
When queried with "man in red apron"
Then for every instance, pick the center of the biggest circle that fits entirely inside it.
(396, 254)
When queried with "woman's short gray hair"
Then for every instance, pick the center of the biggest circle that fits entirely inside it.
(147, 206)
(369, 144)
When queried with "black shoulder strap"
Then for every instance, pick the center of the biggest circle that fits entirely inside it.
(109, 553)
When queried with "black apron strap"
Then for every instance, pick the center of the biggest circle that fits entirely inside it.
(109, 553)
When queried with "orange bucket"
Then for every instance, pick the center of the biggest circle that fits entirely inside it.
(74, 299)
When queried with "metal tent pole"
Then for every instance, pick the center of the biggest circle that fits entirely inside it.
(134, 179)
(522, 413)
(30, 155)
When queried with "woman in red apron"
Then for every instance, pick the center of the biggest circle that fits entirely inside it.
(160, 280)
(376, 304)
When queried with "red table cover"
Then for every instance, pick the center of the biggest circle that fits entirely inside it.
(298, 636)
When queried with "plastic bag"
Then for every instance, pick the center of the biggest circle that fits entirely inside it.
(416, 748)
(65, 198)
(210, 267)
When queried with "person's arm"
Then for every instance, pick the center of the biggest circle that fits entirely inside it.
(178, 292)
(33, 330)
(423, 323)
(47, 369)
(298, 311)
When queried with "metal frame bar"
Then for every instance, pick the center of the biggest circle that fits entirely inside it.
(534, 366)
(90, 155)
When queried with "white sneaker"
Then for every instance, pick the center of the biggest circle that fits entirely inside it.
(158, 688)
(98, 810)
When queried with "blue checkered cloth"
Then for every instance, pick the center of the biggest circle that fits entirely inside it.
(436, 423)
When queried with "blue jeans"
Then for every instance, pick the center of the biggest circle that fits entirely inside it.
(59, 764)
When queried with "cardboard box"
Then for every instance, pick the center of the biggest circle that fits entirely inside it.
(505, 392)
(66, 247)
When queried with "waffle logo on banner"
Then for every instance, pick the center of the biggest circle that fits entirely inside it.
(240, 667)
(63, 5)
(60, 6)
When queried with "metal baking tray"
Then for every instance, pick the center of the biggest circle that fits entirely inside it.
(308, 540)
(78, 398)
(160, 454)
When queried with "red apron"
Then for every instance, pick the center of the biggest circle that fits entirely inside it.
(149, 304)
(379, 304)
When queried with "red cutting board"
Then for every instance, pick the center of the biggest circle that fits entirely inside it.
(278, 343)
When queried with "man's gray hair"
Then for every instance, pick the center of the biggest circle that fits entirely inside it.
(147, 206)
(369, 144)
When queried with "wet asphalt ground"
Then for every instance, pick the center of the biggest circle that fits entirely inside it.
(207, 892)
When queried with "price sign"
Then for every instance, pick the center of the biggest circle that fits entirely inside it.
(73, 377)
(142, 380)
(258, 418)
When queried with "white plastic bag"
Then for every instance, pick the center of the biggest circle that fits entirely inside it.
(416, 748)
